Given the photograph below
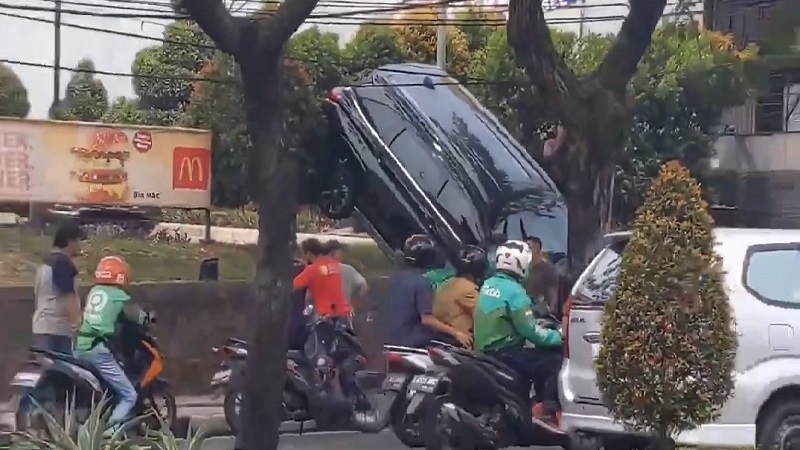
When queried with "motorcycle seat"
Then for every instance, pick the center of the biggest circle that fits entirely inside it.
(491, 361)
(296, 355)
(237, 341)
(66, 357)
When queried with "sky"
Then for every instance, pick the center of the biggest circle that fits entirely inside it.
(32, 41)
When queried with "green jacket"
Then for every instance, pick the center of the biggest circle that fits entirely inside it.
(437, 277)
(504, 319)
(104, 305)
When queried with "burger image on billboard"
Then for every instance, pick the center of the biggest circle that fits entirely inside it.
(103, 185)
(101, 175)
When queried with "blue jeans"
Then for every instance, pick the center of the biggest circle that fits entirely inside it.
(103, 360)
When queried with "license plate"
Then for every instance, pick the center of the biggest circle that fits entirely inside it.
(595, 351)
(393, 381)
(26, 379)
(424, 383)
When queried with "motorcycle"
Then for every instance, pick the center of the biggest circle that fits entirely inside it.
(324, 383)
(402, 365)
(477, 402)
(54, 383)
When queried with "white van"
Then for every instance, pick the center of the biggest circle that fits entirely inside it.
(762, 275)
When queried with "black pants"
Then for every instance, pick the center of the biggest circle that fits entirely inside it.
(541, 367)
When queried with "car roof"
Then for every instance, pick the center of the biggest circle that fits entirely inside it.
(748, 236)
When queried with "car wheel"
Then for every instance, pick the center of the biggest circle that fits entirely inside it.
(780, 427)
(337, 199)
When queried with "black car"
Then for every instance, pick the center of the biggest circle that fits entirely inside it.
(413, 151)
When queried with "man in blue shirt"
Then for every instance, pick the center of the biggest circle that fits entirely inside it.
(58, 307)
(410, 299)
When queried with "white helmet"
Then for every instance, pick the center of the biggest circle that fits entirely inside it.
(514, 257)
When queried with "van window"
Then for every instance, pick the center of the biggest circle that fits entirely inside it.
(600, 282)
(772, 273)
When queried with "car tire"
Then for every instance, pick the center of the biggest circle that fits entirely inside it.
(337, 199)
(780, 421)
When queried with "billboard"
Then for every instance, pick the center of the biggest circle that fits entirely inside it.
(86, 163)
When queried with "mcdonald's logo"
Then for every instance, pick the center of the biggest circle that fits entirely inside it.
(191, 168)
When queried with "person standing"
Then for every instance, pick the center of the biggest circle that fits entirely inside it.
(542, 282)
(55, 289)
(354, 284)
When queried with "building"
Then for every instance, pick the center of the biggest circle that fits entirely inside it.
(758, 155)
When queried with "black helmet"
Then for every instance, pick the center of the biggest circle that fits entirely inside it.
(472, 261)
(419, 251)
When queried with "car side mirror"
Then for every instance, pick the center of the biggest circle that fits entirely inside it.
(209, 269)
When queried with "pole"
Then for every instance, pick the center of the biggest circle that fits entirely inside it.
(57, 54)
(441, 37)
(582, 17)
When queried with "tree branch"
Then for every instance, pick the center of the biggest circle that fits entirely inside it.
(277, 30)
(633, 39)
(216, 21)
(529, 36)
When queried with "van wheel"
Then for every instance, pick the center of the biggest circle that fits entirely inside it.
(780, 427)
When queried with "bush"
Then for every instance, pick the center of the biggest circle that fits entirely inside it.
(668, 341)
(89, 435)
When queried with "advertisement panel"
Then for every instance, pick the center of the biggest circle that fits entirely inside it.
(84, 163)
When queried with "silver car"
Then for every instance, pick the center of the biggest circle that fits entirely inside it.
(763, 280)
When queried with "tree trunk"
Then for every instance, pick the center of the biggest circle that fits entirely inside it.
(594, 111)
(275, 173)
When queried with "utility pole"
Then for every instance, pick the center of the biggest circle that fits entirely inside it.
(441, 37)
(582, 18)
(57, 55)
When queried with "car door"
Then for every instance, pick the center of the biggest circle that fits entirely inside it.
(768, 312)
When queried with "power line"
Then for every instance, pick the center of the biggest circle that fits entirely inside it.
(342, 14)
(231, 81)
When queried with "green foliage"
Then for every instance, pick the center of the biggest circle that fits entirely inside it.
(86, 99)
(668, 342)
(91, 434)
(13, 95)
(162, 73)
(371, 47)
(685, 81)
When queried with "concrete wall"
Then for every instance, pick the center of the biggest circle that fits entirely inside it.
(758, 153)
(192, 317)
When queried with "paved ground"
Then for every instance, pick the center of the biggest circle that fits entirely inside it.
(333, 441)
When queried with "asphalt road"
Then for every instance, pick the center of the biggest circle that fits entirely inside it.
(344, 440)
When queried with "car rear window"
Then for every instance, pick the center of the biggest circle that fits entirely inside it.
(600, 282)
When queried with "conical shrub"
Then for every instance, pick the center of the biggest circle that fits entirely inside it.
(668, 340)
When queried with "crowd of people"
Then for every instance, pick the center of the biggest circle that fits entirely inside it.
(489, 300)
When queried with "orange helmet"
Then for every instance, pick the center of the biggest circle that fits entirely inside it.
(112, 270)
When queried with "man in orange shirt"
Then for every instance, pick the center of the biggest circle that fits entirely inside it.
(323, 279)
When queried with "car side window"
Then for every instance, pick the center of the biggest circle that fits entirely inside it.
(600, 284)
(772, 273)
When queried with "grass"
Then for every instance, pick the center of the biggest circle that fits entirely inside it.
(308, 221)
(20, 254)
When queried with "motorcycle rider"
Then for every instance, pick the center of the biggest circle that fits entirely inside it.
(455, 301)
(504, 320)
(106, 304)
(410, 298)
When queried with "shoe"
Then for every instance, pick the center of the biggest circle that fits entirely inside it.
(546, 419)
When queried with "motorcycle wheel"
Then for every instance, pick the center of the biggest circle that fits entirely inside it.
(232, 406)
(164, 405)
(434, 432)
(405, 428)
(32, 420)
